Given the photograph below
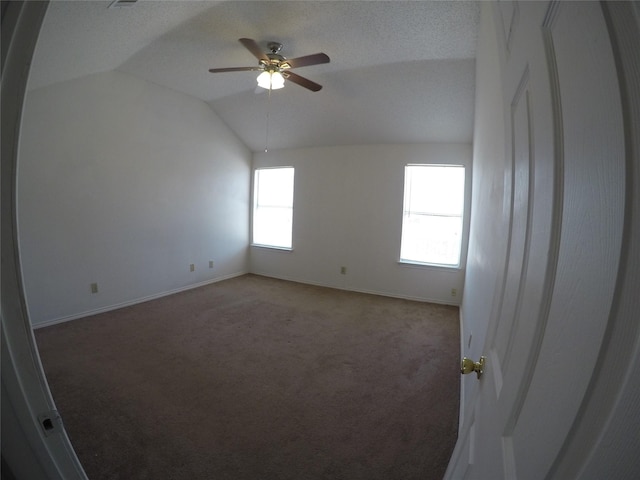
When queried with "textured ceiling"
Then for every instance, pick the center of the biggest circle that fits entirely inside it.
(400, 71)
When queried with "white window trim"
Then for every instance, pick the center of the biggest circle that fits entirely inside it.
(253, 207)
(430, 265)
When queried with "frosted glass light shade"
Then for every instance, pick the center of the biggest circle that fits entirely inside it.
(271, 80)
(277, 80)
(264, 80)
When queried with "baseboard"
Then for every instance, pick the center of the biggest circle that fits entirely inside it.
(128, 303)
(358, 290)
(109, 308)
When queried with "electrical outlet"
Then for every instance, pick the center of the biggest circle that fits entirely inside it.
(454, 292)
(94, 288)
(192, 268)
(210, 263)
(343, 270)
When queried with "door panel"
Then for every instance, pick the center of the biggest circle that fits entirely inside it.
(564, 192)
(520, 227)
(591, 155)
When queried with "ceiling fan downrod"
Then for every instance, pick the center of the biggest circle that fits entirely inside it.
(274, 47)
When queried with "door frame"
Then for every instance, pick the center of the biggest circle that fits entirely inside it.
(30, 449)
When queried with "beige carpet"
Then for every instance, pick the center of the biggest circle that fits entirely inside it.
(256, 378)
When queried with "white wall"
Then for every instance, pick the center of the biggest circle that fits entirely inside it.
(125, 183)
(348, 212)
(489, 227)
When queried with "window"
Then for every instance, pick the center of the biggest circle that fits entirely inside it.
(432, 217)
(273, 207)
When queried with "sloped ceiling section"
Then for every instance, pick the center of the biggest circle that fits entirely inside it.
(400, 72)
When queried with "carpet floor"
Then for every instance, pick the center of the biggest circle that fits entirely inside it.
(256, 378)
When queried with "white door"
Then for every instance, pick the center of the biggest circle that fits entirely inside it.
(564, 191)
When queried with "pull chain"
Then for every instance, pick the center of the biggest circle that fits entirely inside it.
(266, 135)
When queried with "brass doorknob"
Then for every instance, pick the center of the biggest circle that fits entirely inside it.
(467, 366)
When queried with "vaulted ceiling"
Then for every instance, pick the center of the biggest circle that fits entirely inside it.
(400, 71)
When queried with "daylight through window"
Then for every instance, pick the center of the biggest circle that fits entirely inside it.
(432, 217)
(273, 207)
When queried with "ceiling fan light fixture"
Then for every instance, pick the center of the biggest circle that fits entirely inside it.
(271, 80)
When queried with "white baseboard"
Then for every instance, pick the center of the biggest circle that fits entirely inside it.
(358, 290)
(109, 308)
(128, 303)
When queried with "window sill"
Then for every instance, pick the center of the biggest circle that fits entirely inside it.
(272, 247)
(437, 266)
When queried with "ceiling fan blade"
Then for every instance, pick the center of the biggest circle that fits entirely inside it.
(235, 69)
(254, 48)
(303, 82)
(307, 60)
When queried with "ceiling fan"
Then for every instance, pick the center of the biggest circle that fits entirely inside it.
(275, 68)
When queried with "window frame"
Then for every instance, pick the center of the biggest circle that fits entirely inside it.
(255, 195)
(462, 216)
